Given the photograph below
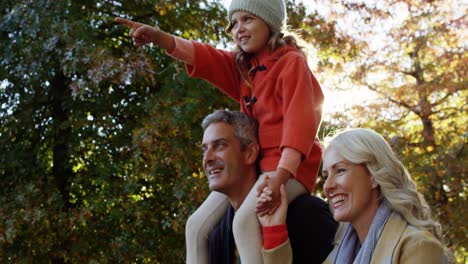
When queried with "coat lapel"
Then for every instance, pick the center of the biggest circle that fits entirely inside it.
(388, 241)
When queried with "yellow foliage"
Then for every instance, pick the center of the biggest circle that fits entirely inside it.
(164, 10)
(78, 166)
(198, 174)
(136, 197)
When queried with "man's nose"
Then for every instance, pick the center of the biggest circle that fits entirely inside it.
(208, 156)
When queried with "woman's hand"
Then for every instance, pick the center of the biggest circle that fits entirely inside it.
(278, 217)
(273, 181)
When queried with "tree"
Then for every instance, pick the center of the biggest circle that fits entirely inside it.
(414, 59)
(75, 96)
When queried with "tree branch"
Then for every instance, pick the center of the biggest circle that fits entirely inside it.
(398, 102)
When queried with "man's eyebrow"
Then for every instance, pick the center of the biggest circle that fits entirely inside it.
(218, 140)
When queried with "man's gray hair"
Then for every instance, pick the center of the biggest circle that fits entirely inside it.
(245, 127)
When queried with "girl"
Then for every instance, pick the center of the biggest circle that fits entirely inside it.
(269, 76)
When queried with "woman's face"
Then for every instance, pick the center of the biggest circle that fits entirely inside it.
(349, 189)
(249, 32)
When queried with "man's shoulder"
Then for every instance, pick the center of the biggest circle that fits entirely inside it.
(309, 210)
(313, 203)
(311, 229)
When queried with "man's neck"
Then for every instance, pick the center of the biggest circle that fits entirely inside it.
(237, 197)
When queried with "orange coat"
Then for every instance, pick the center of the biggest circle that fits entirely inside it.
(288, 107)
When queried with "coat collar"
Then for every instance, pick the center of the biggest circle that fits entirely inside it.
(388, 241)
(267, 57)
(391, 235)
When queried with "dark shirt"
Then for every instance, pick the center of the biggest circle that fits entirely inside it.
(311, 230)
(221, 240)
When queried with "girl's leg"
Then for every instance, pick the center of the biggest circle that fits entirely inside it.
(200, 224)
(247, 229)
(294, 189)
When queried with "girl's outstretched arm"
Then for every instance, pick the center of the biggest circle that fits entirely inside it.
(143, 34)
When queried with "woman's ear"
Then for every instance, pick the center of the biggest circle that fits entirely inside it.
(251, 153)
(374, 184)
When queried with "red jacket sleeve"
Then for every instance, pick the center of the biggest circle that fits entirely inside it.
(217, 67)
(274, 236)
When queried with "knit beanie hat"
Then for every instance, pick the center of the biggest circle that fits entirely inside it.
(273, 12)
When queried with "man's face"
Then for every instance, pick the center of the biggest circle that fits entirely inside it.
(223, 160)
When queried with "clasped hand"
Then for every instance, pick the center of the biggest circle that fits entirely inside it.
(269, 200)
(278, 217)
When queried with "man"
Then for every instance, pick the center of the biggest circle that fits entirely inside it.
(230, 151)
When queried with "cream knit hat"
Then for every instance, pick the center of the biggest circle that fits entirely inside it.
(273, 12)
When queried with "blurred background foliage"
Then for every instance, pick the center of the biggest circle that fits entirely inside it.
(99, 141)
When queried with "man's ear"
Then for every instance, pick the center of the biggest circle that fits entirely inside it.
(251, 153)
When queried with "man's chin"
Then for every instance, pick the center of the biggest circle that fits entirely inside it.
(213, 187)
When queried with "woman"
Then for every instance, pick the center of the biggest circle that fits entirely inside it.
(369, 188)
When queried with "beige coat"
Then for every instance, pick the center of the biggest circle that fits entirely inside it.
(399, 243)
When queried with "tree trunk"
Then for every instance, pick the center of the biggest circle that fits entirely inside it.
(425, 114)
(61, 169)
(428, 132)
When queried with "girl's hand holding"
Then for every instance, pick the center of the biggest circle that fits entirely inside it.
(278, 217)
(264, 197)
(273, 182)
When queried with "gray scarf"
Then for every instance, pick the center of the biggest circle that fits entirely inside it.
(350, 250)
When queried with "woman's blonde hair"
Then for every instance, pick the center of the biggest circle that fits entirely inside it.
(365, 146)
